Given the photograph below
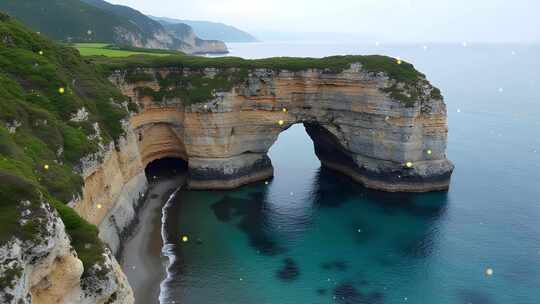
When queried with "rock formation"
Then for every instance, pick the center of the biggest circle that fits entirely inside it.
(355, 118)
(46, 269)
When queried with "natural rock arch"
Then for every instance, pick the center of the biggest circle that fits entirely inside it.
(358, 126)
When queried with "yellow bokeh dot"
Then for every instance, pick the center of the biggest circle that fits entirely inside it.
(284, 110)
(398, 60)
(429, 152)
(41, 52)
(281, 122)
(185, 238)
(99, 206)
(46, 167)
(409, 164)
(61, 90)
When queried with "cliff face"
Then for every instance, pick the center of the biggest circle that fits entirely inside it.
(48, 253)
(170, 40)
(114, 182)
(358, 125)
(46, 269)
(152, 34)
(193, 44)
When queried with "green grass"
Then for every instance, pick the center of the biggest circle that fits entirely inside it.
(71, 20)
(32, 69)
(107, 50)
(193, 88)
(404, 72)
(234, 71)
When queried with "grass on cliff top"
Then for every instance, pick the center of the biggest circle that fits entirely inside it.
(107, 50)
(404, 72)
(42, 84)
(190, 93)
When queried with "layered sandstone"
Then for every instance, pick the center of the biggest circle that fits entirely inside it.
(358, 127)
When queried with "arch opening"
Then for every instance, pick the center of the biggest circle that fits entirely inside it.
(309, 145)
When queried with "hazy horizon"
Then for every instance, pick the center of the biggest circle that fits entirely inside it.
(495, 21)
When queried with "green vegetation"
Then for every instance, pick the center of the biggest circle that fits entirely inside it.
(68, 20)
(103, 49)
(42, 85)
(404, 72)
(8, 279)
(235, 70)
(95, 21)
(191, 89)
(84, 236)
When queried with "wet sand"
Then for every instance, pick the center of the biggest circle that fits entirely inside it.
(141, 259)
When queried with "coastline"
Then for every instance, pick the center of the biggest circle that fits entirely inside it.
(141, 258)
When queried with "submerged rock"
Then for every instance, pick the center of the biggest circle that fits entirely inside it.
(289, 271)
(346, 293)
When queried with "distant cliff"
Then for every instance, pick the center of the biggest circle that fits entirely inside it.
(212, 30)
(100, 21)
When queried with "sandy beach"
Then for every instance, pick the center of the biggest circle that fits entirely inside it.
(141, 259)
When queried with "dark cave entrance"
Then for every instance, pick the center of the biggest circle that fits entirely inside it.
(166, 167)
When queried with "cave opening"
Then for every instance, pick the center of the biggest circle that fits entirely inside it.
(166, 167)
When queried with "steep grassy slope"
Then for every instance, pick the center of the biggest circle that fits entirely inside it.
(68, 20)
(97, 21)
(42, 86)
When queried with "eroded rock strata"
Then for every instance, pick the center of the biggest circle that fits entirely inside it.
(46, 268)
(378, 131)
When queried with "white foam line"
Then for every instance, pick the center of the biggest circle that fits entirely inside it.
(167, 249)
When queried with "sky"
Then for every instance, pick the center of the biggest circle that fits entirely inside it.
(384, 20)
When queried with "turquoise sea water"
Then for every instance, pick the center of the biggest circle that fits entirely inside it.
(312, 236)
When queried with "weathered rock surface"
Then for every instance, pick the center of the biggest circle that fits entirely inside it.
(46, 269)
(114, 183)
(357, 127)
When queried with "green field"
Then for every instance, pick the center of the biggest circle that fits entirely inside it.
(103, 49)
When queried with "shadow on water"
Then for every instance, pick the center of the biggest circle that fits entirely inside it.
(332, 189)
(252, 210)
(253, 213)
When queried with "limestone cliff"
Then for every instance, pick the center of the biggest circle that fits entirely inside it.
(78, 151)
(46, 269)
(384, 133)
(114, 182)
